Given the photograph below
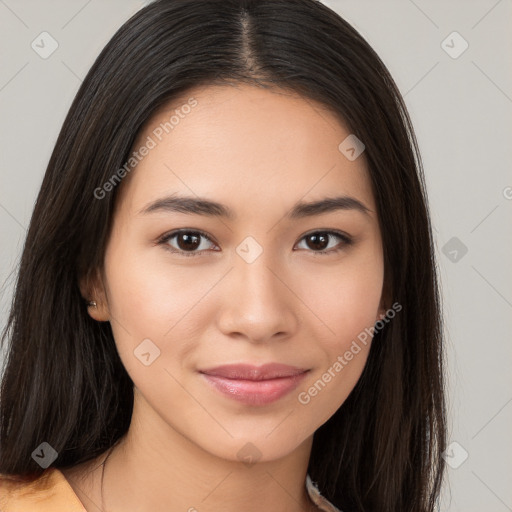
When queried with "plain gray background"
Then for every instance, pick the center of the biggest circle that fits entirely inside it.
(461, 105)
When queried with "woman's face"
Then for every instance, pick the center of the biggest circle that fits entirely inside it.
(253, 289)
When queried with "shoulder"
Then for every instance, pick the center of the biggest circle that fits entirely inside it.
(49, 492)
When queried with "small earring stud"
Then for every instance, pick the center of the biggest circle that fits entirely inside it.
(92, 303)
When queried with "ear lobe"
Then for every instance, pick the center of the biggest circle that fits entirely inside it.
(384, 305)
(93, 290)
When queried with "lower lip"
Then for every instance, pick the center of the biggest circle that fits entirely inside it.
(252, 392)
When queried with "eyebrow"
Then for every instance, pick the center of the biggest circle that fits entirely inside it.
(202, 206)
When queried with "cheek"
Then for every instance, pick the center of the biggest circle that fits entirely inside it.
(341, 354)
(348, 303)
(150, 296)
(346, 298)
(150, 305)
(167, 303)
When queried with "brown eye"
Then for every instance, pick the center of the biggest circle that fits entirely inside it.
(188, 243)
(319, 241)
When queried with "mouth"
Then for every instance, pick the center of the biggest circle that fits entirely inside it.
(253, 385)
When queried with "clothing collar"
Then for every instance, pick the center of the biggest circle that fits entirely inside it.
(51, 492)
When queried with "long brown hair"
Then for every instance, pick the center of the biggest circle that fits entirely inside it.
(63, 381)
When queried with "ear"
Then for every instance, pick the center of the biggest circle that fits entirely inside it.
(385, 304)
(93, 289)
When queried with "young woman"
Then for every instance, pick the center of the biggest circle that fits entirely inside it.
(227, 298)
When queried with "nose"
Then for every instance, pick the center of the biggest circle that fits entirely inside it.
(258, 304)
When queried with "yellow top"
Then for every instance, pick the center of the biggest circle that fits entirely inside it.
(51, 492)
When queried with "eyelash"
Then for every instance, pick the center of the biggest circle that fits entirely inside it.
(347, 240)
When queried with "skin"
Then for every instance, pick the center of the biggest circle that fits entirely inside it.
(258, 152)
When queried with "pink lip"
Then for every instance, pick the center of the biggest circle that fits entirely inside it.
(254, 385)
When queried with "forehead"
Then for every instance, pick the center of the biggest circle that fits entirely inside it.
(251, 148)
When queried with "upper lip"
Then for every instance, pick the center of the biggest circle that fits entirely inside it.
(251, 372)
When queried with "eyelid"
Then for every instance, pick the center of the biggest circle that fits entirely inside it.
(341, 234)
(171, 234)
(346, 239)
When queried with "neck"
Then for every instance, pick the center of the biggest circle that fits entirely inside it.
(160, 469)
